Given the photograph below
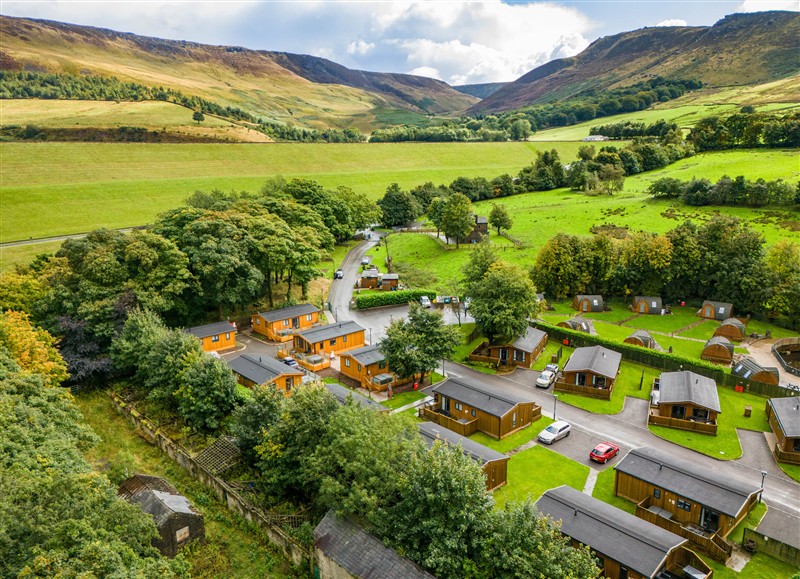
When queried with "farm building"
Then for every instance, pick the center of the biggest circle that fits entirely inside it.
(370, 279)
(579, 324)
(480, 229)
(587, 303)
(279, 325)
(749, 369)
(624, 545)
(465, 405)
(368, 366)
(389, 281)
(715, 310)
(718, 350)
(523, 351)
(330, 339)
(493, 463)
(784, 419)
(685, 400)
(644, 339)
(684, 498)
(590, 371)
(342, 394)
(344, 550)
(647, 305)
(175, 518)
(253, 370)
(733, 329)
(215, 337)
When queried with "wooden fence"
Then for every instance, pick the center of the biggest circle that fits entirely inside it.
(784, 342)
(691, 425)
(516, 241)
(784, 456)
(292, 549)
(772, 547)
(462, 428)
(589, 391)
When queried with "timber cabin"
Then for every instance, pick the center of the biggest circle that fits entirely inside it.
(389, 281)
(367, 366)
(643, 339)
(215, 337)
(715, 310)
(342, 394)
(718, 350)
(521, 352)
(480, 229)
(280, 325)
(733, 329)
(647, 305)
(329, 339)
(254, 370)
(623, 545)
(590, 371)
(493, 463)
(784, 419)
(686, 401)
(370, 279)
(684, 498)
(749, 369)
(587, 303)
(176, 519)
(344, 550)
(579, 324)
(465, 405)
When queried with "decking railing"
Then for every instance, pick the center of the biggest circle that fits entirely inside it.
(786, 456)
(433, 414)
(686, 557)
(589, 391)
(691, 425)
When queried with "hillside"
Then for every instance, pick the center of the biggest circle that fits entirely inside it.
(741, 49)
(482, 90)
(304, 90)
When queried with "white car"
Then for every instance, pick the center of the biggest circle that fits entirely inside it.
(425, 301)
(555, 431)
(546, 379)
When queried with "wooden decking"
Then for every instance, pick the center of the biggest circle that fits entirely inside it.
(433, 413)
(589, 391)
(691, 425)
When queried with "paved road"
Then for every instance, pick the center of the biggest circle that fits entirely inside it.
(56, 238)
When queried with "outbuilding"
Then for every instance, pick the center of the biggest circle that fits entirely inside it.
(749, 369)
(715, 310)
(389, 281)
(643, 339)
(215, 337)
(579, 324)
(647, 305)
(370, 279)
(588, 303)
(718, 350)
(733, 329)
(591, 371)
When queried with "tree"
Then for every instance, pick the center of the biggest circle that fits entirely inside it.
(436, 211)
(363, 211)
(140, 335)
(198, 117)
(559, 269)
(256, 415)
(481, 259)
(520, 130)
(612, 178)
(207, 392)
(503, 300)
(20, 291)
(457, 218)
(783, 266)
(399, 207)
(499, 218)
(32, 348)
(586, 152)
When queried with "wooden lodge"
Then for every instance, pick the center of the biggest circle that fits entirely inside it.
(280, 325)
(590, 371)
(215, 337)
(733, 329)
(643, 339)
(254, 370)
(749, 369)
(647, 305)
(480, 229)
(329, 339)
(389, 281)
(367, 365)
(588, 303)
(685, 498)
(493, 463)
(718, 350)
(343, 394)
(465, 405)
(784, 419)
(523, 351)
(624, 546)
(715, 310)
(686, 401)
(579, 324)
(370, 279)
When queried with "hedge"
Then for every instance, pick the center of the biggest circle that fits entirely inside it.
(390, 298)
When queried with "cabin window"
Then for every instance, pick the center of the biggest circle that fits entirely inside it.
(580, 379)
(344, 339)
(458, 405)
(474, 414)
(285, 322)
(513, 420)
(623, 572)
(600, 562)
(519, 356)
(358, 367)
(347, 362)
(685, 505)
(700, 414)
(678, 412)
(289, 383)
(333, 342)
(656, 493)
(258, 321)
(215, 338)
(796, 445)
(309, 317)
(227, 335)
(382, 364)
(722, 310)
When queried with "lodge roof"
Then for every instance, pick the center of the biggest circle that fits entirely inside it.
(330, 331)
(787, 411)
(720, 341)
(367, 355)
(530, 340)
(580, 324)
(481, 396)
(747, 367)
(431, 432)
(596, 359)
(211, 329)
(261, 369)
(652, 301)
(724, 306)
(688, 387)
(290, 312)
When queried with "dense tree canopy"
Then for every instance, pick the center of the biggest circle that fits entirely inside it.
(503, 300)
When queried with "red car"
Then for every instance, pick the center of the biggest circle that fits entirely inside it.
(604, 451)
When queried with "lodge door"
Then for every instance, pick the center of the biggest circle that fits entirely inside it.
(709, 520)
(503, 355)
(295, 323)
(642, 306)
(679, 412)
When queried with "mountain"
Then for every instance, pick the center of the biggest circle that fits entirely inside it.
(740, 49)
(482, 90)
(304, 90)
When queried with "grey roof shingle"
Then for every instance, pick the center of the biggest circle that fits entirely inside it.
(481, 396)
(367, 355)
(788, 414)
(431, 432)
(342, 394)
(390, 276)
(736, 322)
(747, 368)
(530, 340)
(633, 542)
(595, 359)
(290, 312)
(644, 336)
(211, 329)
(261, 369)
(155, 496)
(370, 274)
(720, 341)
(361, 554)
(329, 332)
(687, 479)
(688, 387)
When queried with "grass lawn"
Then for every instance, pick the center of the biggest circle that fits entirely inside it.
(678, 319)
(702, 332)
(550, 349)
(627, 384)
(234, 548)
(751, 521)
(604, 490)
(791, 470)
(10, 257)
(725, 445)
(466, 348)
(537, 469)
(517, 439)
(761, 566)
(328, 266)
(403, 398)
(758, 327)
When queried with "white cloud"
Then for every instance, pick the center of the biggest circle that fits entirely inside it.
(673, 22)
(428, 71)
(360, 47)
(762, 5)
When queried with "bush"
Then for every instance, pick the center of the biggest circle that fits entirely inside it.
(392, 298)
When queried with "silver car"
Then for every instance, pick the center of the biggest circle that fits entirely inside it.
(555, 431)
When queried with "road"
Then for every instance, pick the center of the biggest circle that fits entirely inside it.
(57, 238)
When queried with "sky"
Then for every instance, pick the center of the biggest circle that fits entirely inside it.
(460, 42)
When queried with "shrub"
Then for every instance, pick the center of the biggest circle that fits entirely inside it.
(392, 298)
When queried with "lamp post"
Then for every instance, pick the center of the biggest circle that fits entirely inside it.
(763, 476)
(336, 313)
(555, 403)
(370, 336)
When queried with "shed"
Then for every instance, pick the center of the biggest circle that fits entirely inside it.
(718, 350)
(588, 303)
(215, 337)
(647, 305)
(389, 281)
(370, 278)
(175, 518)
(733, 329)
(480, 229)
(579, 324)
(342, 394)
(715, 310)
(643, 339)
(749, 369)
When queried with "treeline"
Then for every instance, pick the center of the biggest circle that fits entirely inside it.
(631, 129)
(737, 192)
(59, 518)
(722, 259)
(746, 129)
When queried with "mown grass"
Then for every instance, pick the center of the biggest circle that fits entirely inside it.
(702, 332)
(604, 490)
(631, 376)
(791, 470)
(760, 566)
(403, 398)
(10, 257)
(517, 439)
